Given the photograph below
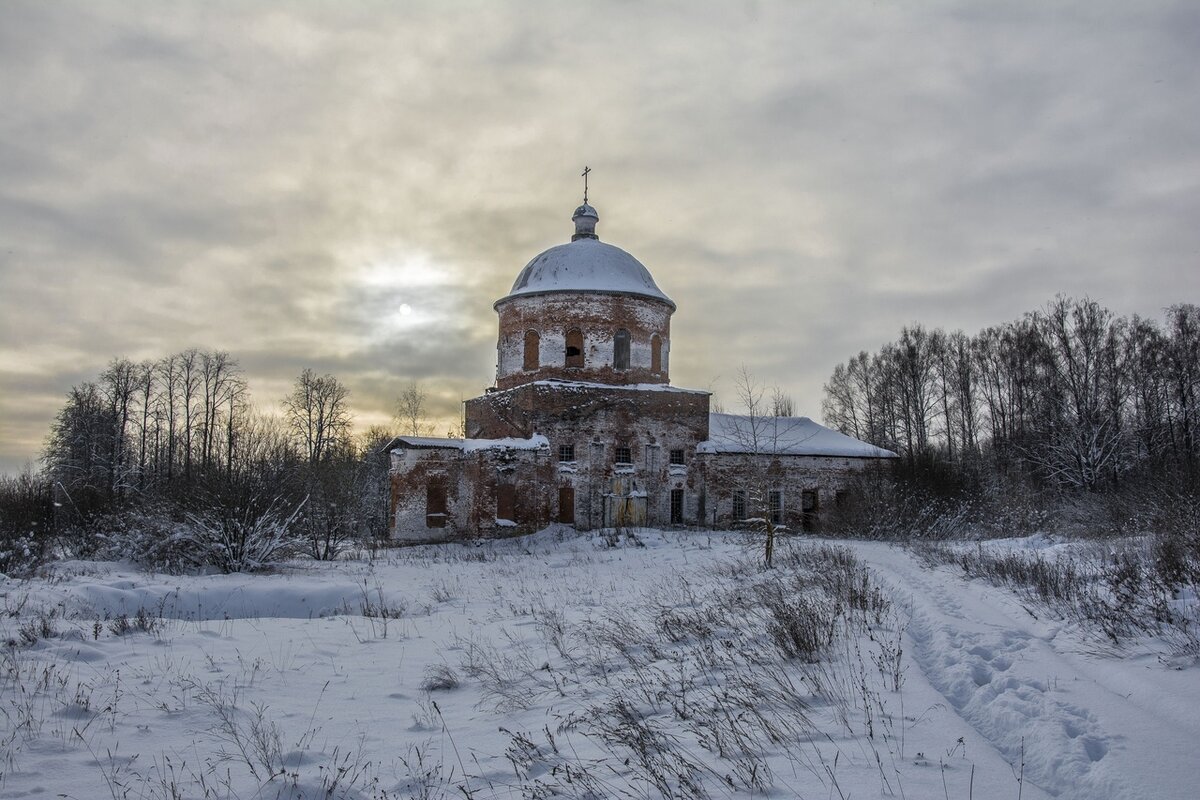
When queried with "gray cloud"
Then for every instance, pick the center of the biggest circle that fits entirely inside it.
(802, 179)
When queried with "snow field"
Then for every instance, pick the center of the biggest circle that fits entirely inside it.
(566, 665)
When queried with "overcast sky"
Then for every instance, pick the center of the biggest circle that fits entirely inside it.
(284, 180)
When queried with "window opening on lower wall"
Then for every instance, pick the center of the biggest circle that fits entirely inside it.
(435, 505)
(775, 503)
(739, 504)
(677, 506)
(622, 455)
(566, 452)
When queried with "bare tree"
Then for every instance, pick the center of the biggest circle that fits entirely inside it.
(146, 381)
(317, 414)
(220, 379)
(782, 404)
(410, 409)
(169, 379)
(759, 434)
(189, 377)
(119, 385)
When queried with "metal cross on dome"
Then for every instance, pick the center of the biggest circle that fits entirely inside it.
(586, 170)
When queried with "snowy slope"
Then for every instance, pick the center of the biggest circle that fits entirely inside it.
(575, 664)
(1088, 725)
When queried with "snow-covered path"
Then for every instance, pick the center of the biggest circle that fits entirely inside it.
(1089, 726)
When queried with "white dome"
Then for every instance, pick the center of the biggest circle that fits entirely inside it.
(585, 264)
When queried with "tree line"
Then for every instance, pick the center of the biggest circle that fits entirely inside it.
(171, 461)
(1071, 398)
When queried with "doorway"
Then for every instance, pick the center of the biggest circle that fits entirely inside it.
(566, 505)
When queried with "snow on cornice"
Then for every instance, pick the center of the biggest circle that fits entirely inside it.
(631, 387)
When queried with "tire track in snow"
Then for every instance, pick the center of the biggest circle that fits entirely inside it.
(982, 652)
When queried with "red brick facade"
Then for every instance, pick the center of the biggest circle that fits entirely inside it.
(582, 426)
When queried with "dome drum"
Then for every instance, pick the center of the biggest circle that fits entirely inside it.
(581, 336)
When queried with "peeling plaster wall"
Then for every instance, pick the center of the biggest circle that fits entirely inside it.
(595, 421)
(723, 473)
(471, 481)
(598, 316)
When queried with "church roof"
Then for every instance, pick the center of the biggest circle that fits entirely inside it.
(793, 436)
(535, 442)
(586, 264)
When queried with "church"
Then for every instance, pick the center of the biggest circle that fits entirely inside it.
(584, 428)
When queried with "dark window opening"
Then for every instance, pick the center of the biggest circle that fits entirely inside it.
(841, 499)
(435, 506)
(677, 506)
(623, 455)
(655, 354)
(532, 354)
(739, 504)
(775, 503)
(506, 503)
(574, 353)
(677, 456)
(566, 452)
(621, 349)
(809, 504)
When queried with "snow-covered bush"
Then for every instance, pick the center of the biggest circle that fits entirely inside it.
(149, 537)
(241, 537)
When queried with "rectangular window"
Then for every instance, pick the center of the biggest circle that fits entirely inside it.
(435, 506)
(739, 504)
(677, 506)
(566, 452)
(623, 455)
(677, 456)
(775, 500)
(621, 349)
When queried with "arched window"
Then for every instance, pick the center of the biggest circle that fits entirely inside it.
(532, 357)
(656, 354)
(621, 349)
(574, 353)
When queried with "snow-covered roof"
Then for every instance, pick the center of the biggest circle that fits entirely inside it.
(586, 265)
(793, 436)
(535, 442)
(633, 387)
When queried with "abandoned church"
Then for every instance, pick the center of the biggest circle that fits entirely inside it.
(583, 426)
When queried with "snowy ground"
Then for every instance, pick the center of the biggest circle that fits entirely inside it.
(563, 665)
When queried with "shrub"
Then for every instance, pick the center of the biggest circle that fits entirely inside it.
(439, 678)
(242, 536)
